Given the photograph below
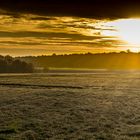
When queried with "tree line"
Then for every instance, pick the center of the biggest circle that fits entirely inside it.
(121, 60)
(9, 64)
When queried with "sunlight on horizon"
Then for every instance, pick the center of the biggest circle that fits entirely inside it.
(127, 30)
(34, 35)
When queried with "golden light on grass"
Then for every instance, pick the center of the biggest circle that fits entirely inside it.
(127, 30)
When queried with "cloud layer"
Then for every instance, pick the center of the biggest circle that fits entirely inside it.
(53, 34)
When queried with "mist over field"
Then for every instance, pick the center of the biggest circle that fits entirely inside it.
(102, 105)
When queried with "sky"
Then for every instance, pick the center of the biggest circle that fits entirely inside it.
(44, 27)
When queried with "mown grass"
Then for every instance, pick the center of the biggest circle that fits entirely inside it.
(106, 108)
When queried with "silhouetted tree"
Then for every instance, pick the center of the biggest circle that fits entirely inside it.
(11, 65)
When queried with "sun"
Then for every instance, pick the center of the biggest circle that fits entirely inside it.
(127, 30)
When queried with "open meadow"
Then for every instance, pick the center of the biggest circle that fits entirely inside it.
(102, 105)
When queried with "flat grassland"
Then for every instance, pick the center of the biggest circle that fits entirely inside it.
(103, 105)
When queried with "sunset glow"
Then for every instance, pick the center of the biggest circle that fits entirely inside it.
(31, 34)
(127, 30)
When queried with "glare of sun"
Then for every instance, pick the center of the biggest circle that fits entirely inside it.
(134, 49)
(127, 30)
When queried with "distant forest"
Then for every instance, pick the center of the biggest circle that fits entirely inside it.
(122, 60)
(9, 64)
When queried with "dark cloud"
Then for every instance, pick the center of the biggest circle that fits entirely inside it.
(42, 18)
(47, 35)
(88, 8)
(65, 43)
(19, 43)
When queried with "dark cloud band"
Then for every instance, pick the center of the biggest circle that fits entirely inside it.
(88, 8)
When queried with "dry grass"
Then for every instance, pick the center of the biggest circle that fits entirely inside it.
(101, 106)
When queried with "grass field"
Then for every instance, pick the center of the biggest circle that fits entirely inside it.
(102, 105)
